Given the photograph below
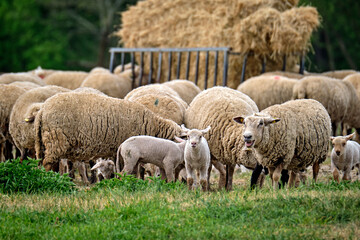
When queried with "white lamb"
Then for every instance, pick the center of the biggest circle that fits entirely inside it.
(344, 156)
(105, 169)
(197, 156)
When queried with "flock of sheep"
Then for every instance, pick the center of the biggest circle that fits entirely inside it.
(277, 122)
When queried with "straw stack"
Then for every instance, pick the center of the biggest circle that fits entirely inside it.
(266, 28)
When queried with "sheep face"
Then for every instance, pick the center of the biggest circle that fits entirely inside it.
(105, 167)
(194, 136)
(339, 143)
(254, 128)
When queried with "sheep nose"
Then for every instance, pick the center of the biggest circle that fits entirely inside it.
(338, 153)
(193, 144)
(247, 136)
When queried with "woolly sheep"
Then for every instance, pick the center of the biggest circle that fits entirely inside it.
(99, 70)
(108, 83)
(354, 79)
(267, 90)
(84, 126)
(196, 156)
(339, 74)
(22, 117)
(66, 79)
(345, 156)
(283, 74)
(161, 100)
(186, 89)
(216, 107)
(105, 169)
(8, 96)
(292, 136)
(25, 85)
(338, 97)
(7, 78)
(165, 154)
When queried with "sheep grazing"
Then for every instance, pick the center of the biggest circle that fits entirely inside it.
(292, 136)
(83, 126)
(108, 83)
(345, 156)
(66, 79)
(196, 156)
(339, 74)
(165, 154)
(21, 124)
(268, 90)
(20, 77)
(105, 169)
(216, 107)
(186, 89)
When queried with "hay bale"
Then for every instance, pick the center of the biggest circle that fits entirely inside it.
(268, 28)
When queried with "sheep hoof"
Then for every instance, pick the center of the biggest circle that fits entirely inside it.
(190, 182)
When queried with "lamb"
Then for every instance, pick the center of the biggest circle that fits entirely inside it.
(196, 156)
(338, 97)
(217, 107)
(186, 89)
(21, 124)
(85, 126)
(66, 79)
(339, 74)
(267, 90)
(345, 156)
(165, 154)
(161, 100)
(292, 136)
(105, 169)
(108, 83)
(7, 78)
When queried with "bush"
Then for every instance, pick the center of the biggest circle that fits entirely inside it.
(29, 178)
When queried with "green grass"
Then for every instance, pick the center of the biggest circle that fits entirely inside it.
(134, 209)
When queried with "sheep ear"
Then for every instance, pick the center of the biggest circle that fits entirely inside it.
(96, 166)
(240, 120)
(184, 130)
(270, 120)
(332, 138)
(205, 130)
(180, 140)
(30, 119)
(349, 137)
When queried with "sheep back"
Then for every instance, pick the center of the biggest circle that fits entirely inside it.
(186, 89)
(66, 79)
(20, 77)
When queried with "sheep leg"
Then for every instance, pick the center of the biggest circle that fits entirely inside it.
(208, 176)
(177, 171)
(190, 176)
(255, 176)
(204, 177)
(23, 153)
(336, 175)
(229, 173)
(276, 176)
(71, 169)
(93, 172)
(131, 165)
(2, 155)
(141, 171)
(222, 178)
(302, 176)
(316, 168)
(163, 174)
(347, 175)
(83, 173)
(169, 170)
(292, 179)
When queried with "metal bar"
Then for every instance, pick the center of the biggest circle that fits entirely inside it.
(206, 69)
(159, 68)
(284, 63)
(150, 68)
(170, 61)
(302, 64)
(118, 50)
(111, 67)
(216, 67)
(187, 66)
(243, 68)
(197, 67)
(178, 66)
(133, 69)
(226, 65)
(263, 65)
(122, 61)
(141, 68)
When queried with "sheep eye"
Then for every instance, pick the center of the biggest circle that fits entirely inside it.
(261, 123)
(344, 144)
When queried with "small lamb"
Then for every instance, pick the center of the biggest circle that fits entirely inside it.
(196, 156)
(344, 156)
(105, 169)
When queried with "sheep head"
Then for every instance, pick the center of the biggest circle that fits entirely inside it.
(194, 136)
(339, 143)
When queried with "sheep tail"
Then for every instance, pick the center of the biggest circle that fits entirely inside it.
(39, 146)
(119, 160)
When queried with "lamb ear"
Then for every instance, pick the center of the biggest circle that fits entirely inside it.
(180, 140)
(349, 137)
(240, 120)
(205, 130)
(184, 130)
(96, 166)
(271, 120)
(332, 138)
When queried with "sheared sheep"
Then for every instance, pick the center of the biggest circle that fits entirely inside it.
(216, 107)
(84, 126)
(345, 156)
(66, 79)
(292, 136)
(267, 90)
(186, 89)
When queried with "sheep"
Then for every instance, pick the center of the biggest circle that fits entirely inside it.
(41, 73)
(196, 156)
(161, 100)
(20, 77)
(105, 169)
(25, 85)
(108, 83)
(84, 126)
(21, 124)
(217, 107)
(165, 154)
(339, 74)
(292, 136)
(66, 79)
(8, 96)
(354, 79)
(338, 97)
(186, 89)
(128, 74)
(345, 156)
(99, 70)
(291, 75)
(267, 90)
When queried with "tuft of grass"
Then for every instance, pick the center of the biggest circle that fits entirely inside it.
(28, 177)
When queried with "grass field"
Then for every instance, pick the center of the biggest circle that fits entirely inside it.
(138, 210)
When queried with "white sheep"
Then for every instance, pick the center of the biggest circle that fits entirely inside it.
(344, 156)
(105, 168)
(197, 156)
